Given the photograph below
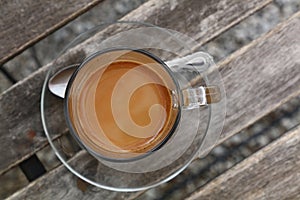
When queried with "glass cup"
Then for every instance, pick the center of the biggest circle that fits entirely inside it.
(180, 91)
(122, 104)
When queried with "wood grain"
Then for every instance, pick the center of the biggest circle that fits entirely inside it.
(61, 184)
(261, 76)
(22, 23)
(201, 20)
(19, 106)
(271, 173)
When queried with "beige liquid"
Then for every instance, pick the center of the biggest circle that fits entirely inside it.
(130, 138)
(140, 102)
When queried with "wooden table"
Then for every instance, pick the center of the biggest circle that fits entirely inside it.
(258, 78)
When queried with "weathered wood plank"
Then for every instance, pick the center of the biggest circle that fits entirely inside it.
(22, 23)
(200, 19)
(261, 76)
(271, 173)
(61, 184)
(18, 119)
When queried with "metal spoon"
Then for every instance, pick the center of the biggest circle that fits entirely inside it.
(58, 82)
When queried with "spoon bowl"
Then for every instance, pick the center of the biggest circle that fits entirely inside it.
(58, 82)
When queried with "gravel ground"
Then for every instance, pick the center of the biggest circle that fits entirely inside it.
(222, 157)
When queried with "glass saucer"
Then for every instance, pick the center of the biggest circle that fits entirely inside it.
(195, 136)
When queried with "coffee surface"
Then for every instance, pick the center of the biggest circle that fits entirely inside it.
(125, 106)
(140, 103)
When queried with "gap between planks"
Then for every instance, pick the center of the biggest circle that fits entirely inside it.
(51, 12)
(271, 173)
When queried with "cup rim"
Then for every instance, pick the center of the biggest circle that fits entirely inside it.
(99, 155)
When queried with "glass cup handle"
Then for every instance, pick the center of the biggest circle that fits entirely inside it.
(200, 96)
